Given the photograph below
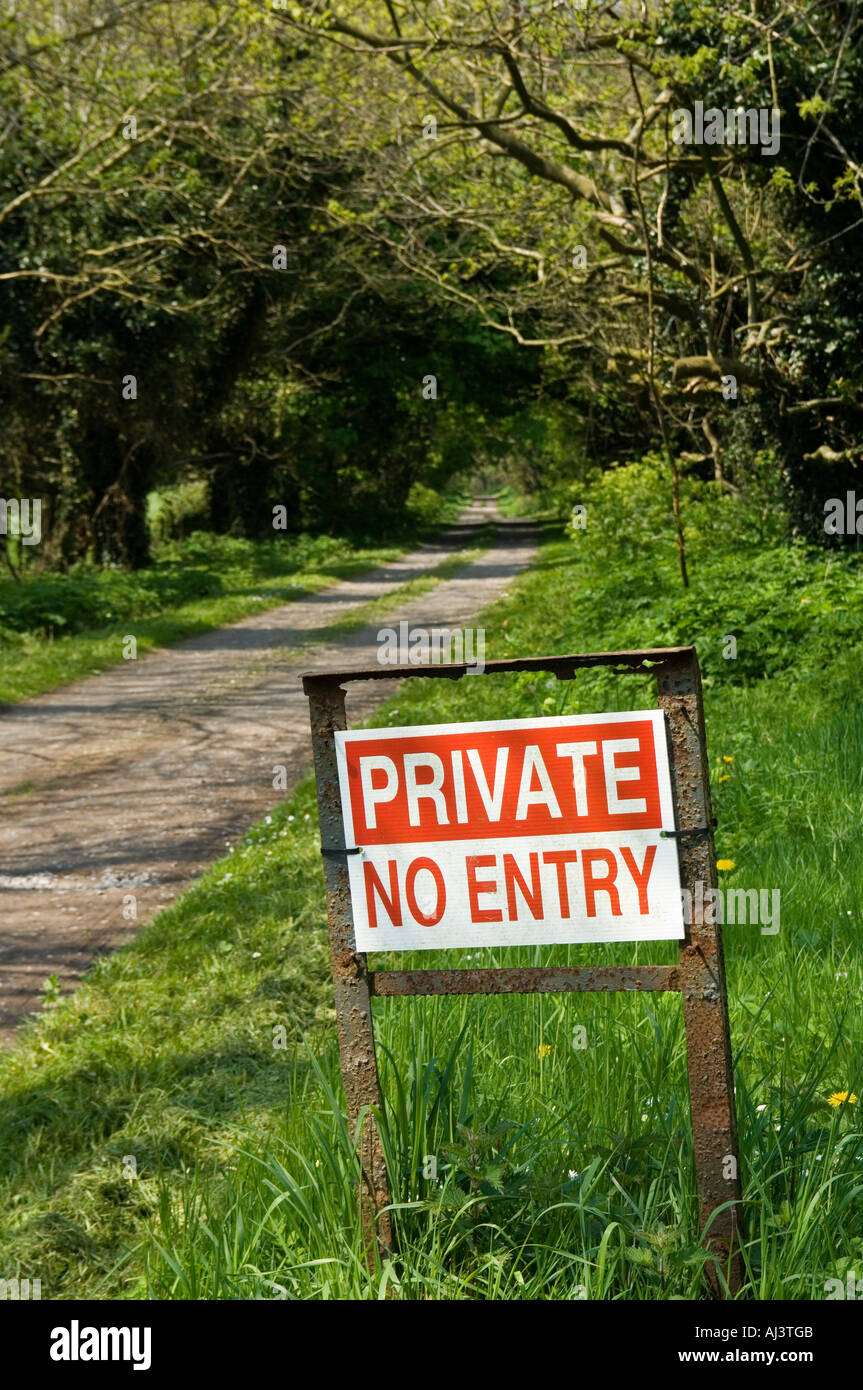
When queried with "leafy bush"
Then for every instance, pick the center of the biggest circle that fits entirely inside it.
(424, 505)
(747, 582)
(174, 511)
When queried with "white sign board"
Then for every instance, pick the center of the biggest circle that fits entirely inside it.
(511, 832)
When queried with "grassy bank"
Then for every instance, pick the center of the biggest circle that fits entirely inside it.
(522, 1166)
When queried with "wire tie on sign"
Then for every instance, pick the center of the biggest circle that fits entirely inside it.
(697, 830)
(357, 849)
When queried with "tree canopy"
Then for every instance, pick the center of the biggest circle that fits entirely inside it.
(315, 253)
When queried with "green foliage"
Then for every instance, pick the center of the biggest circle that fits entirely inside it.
(255, 386)
(424, 506)
(406, 257)
(173, 512)
(785, 604)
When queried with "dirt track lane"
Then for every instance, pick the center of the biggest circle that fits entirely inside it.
(143, 774)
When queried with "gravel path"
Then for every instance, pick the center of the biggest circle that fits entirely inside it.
(138, 778)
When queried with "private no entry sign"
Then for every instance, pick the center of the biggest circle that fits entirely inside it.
(511, 832)
(537, 831)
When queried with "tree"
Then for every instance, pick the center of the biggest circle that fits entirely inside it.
(557, 127)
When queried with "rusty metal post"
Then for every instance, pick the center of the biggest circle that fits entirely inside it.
(702, 974)
(350, 975)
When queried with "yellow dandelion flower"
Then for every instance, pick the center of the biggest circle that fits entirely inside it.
(839, 1098)
(543, 1050)
(726, 759)
(725, 778)
(723, 865)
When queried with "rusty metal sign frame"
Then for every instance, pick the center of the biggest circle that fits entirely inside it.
(698, 976)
